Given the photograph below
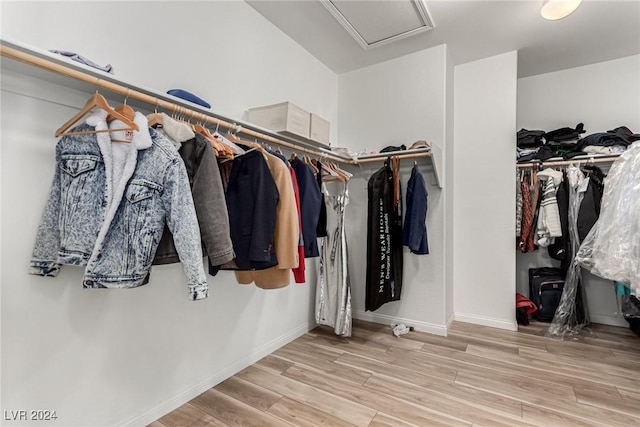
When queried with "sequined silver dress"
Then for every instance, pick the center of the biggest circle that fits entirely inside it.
(333, 291)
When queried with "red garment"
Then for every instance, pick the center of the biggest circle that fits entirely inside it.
(526, 236)
(298, 273)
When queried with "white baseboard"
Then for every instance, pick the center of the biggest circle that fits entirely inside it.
(486, 321)
(189, 393)
(608, 320)
(450, 321)
(384, 319)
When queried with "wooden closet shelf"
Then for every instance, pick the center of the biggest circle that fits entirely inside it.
(49, 67)
(432, 155)
(93, 79)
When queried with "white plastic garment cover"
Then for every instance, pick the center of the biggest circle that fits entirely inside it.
(612, 248)
(568, 320)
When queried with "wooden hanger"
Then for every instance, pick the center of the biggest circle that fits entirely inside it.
(220, 149)
(233, 138)
(124, 110)
(307, 160)
(154, 119)
(342, 172)
(95, 101)
(343, 176)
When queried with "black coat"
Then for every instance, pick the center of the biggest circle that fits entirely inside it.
(590, 207)
(252, 197)
(560, 249)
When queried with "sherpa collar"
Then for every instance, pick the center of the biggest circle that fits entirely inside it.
(177, 132)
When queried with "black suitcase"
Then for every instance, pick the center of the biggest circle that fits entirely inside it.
(545, 290)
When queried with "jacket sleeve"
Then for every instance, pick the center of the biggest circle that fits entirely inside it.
(264, 214)
(183, 224)
(44, 259)
(418, 235)
(209, 201)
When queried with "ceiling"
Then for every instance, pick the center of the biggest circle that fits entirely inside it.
(599, 30)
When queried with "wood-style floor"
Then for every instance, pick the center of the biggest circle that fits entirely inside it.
(476, 376)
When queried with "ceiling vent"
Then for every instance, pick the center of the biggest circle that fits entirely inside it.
(375, 23)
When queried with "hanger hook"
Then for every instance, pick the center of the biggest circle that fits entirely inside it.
(217, 126)
(127, 96)
(156, 109)
(97, 84)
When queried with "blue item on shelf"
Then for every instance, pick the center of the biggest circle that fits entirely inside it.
(188, 96)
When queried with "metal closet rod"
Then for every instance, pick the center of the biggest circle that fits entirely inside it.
(607, 159)
(156, 102)
(383, 156)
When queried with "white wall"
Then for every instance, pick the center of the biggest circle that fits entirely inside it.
(113, 357)
(449, 161)
(484, 191)
(392, 103)
(225, 52)
(602, 96)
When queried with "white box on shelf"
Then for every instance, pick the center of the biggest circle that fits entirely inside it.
(319, 129)
(283, 117)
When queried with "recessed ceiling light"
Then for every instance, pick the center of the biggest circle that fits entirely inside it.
(558, 9)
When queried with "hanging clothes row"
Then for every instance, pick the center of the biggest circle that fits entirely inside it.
(542, 206)
(559, 220)
(126, 195)
(385, 234)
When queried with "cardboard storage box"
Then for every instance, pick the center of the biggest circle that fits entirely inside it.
(319, 130)
(284, 117)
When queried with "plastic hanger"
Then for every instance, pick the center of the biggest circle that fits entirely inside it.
(96, 101)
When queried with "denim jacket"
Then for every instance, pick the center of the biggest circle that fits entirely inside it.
(108, 204)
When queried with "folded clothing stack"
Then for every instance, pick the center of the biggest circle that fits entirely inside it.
(566, 143)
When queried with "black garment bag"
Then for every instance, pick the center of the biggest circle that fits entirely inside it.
(384, 239)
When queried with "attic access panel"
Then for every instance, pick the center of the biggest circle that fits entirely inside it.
(376, 23)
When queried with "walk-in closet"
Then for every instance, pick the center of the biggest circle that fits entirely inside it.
(304, 213)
